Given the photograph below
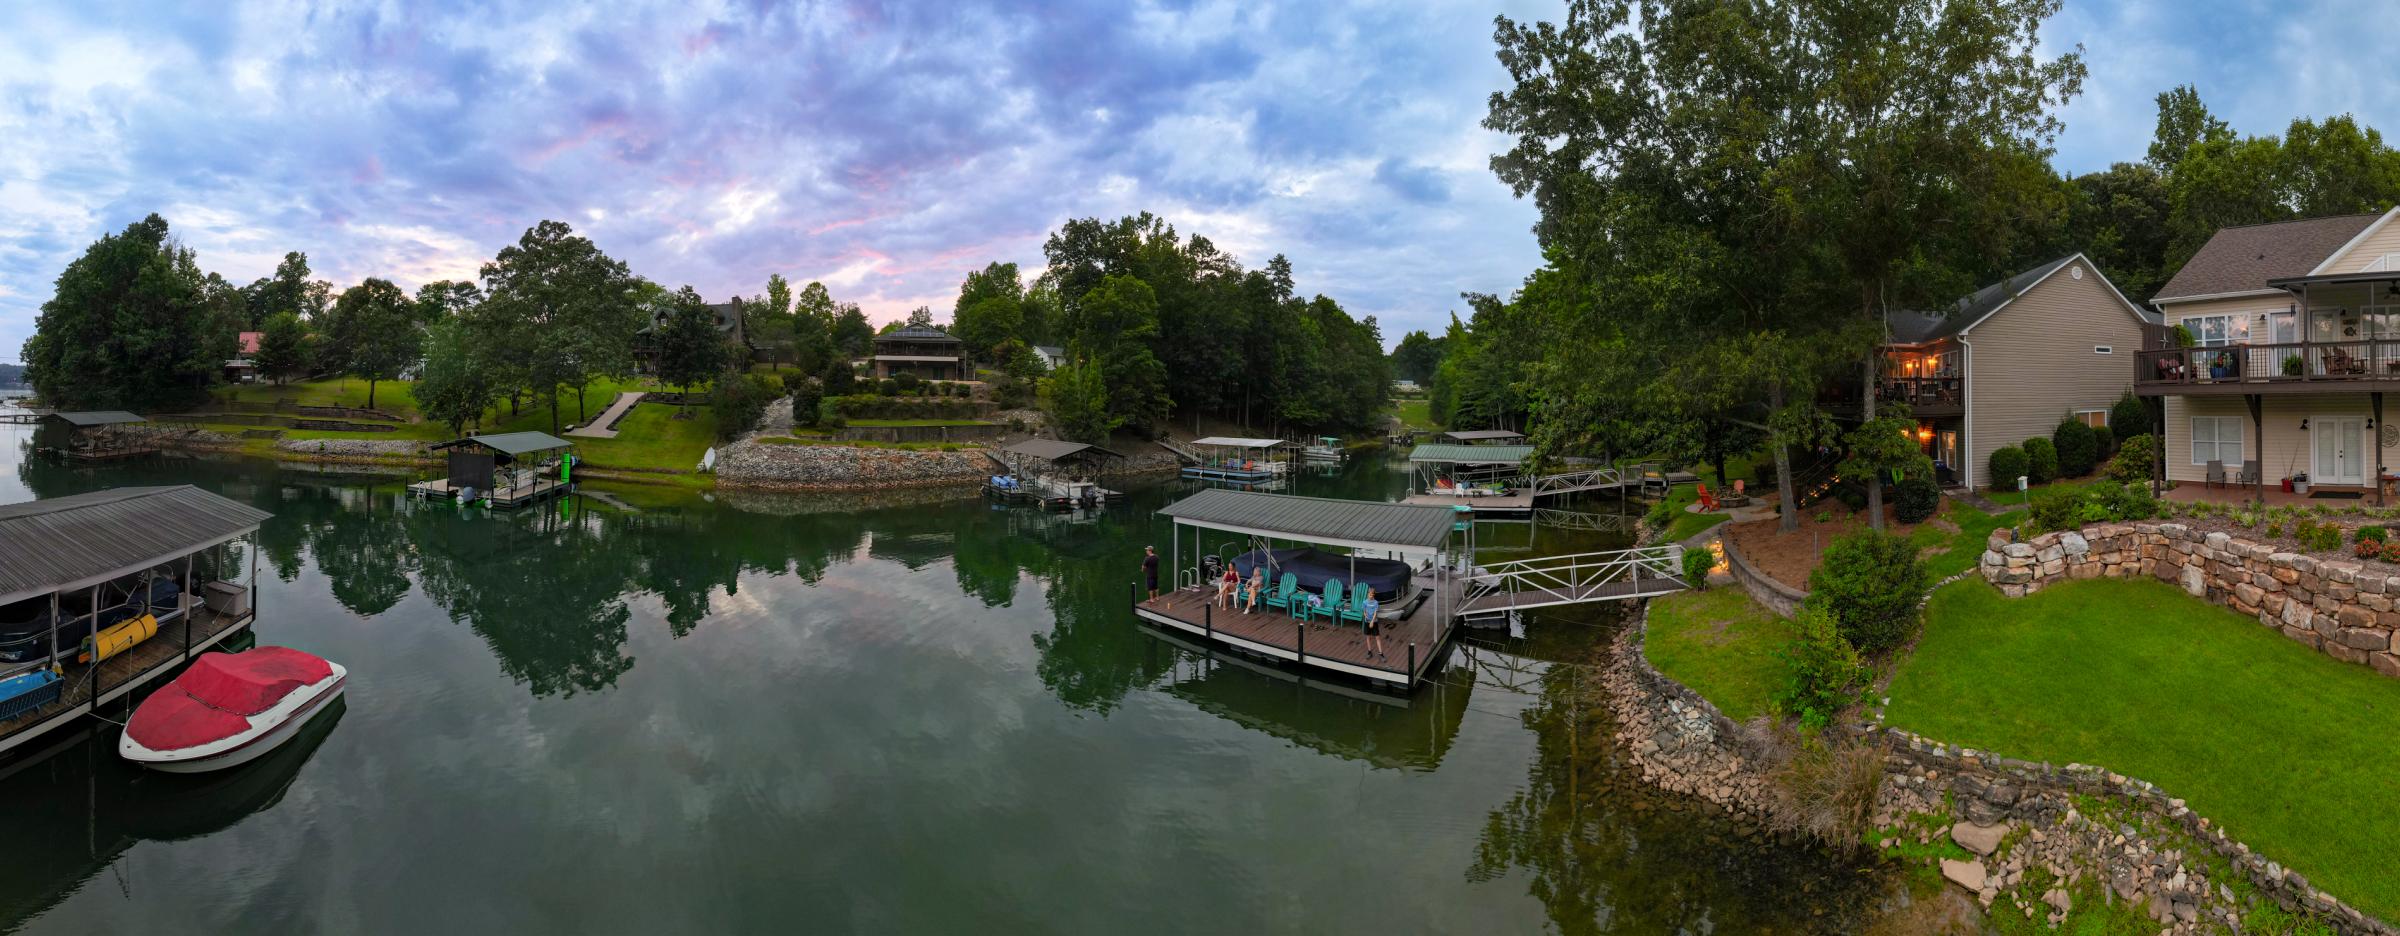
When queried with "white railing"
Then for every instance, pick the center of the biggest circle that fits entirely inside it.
(1182, 451)
(1581, 520)
(1566, 482)
(1598, 576)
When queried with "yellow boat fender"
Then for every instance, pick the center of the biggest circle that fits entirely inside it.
(117, 639)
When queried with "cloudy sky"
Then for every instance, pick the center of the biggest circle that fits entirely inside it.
(887, 148)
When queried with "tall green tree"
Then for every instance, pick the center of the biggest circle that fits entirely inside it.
(990, 309)
(1112, 325)
(853, 336)
(2183, 122)
(1076, 397)
(375, 325)
(455, 387)
(569, 308)
(1416, 357)
(442, 299)
(127, 326)
(284, 347)
(690, 348)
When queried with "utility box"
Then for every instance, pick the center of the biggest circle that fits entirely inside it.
(226, 598)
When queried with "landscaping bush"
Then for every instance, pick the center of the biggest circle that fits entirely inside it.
(1661, 515)
(2116, 503)
(1869, 582)
(864, 406)
(2316, 535)
(2137, 460)
(1852, 492)
(2374, 534)
(1696, 563)
(2129, 418)
(2057, 509)
(829, 415)
(2008, 464)
(2041, 460)
(907, 382)
(2078, 448)
(739, 403)
(1918, 497)
(1823, 672)
(806, 400)
(887, 387)
(838, 378)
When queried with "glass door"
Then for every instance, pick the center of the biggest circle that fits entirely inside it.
(2340, 452)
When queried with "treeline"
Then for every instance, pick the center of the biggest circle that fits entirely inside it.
(12, 375)
(1157, 327)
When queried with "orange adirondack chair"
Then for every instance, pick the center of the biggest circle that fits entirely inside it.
(1708, 501)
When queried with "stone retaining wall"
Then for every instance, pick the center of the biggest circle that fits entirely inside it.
(1763, 588)
(834, 467)
(2341, 608)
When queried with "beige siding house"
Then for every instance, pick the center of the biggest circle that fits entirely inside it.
(2007, 363)
(2294, 333)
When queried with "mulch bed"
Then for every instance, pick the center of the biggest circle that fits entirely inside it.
(2286, 543)
(1790, 557)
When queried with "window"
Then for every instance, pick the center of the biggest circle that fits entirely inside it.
(2103, 349)
(2217, 438)
(2217, 331)
(2095, 418)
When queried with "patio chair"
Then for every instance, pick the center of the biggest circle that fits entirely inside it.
(1708, 501)
(1332, 609)
(1285, 588)
(1355, 610)
(2216, 472)
(2249, 473)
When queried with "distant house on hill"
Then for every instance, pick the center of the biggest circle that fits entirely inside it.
(729, 323)
(1053, 356)
(243, 368)
(928, 352)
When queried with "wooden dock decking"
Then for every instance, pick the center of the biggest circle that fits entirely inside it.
(1519, 501)
(88, 686)
(518, 496)
(1317, 644)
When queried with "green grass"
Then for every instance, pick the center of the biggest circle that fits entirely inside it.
(1720, 643)
(1960, 550)
(648, 438)
(884, 423)
(391, 396)
(1415, 414)
(2288, 749)
(1687, 524)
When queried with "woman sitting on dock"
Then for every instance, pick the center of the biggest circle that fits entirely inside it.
(1226, 587)
(1258, 583)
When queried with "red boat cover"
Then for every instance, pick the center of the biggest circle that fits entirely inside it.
(216, 697)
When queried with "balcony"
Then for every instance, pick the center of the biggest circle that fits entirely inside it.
(2295, 367)
(1925, 396)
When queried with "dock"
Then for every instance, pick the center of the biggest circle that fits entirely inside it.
(1516, 503)
(518, 495)
(502, 470)
(1411, 639)
(89, 546)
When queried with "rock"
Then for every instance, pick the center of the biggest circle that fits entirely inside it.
(2059, 900)
(2073, 543)
(1980, 839)
(1966, 874)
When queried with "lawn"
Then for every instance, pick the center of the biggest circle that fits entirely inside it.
(1687, 524)
(1961, 550)
(881, 423)
(391, 396)
(1415, 414)
(2288, 749)
(648, 438)
(1720, 643)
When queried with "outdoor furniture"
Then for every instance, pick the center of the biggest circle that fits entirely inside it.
(1281, 596)
(1708, 501)
(2216, 472)
(1332, 608)
(1355, 611)
(2249, 473)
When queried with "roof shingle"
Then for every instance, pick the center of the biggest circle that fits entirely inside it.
(2243, 259)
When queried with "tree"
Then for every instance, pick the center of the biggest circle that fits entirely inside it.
(2183, 122)
(375, 326)
(127, 326)
(1020, 373)
(1076, 398)
(1416, 357)
(690, 348)
(283, 347)
(1112, 324)
(568, 308)
(442, 299)
(455, 388)
(852, 335)
(921, 316)
(990, 309)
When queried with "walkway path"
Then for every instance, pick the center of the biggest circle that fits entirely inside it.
(603, 427)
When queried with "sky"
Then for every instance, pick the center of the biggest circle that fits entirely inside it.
(886, 149)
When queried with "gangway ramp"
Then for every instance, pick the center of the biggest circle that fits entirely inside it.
(1551, 581)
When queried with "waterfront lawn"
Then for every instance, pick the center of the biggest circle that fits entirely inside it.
(885, 423)
(1960, 551)
(2288, 749)
(1687, 524)
(396, 397)
(649, 438)
(1415, 414)
(1720, 643)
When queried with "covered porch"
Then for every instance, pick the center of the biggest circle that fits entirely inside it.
(2280, 448)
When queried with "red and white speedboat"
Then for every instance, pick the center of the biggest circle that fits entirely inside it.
(229, 709)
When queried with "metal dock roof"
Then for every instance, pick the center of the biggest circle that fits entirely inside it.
(1317, 519)
(512, 443)
(1471, 454)
(75, 541)
(1053, 449)
(1231, 442)
(1482, 435)
(87, 419)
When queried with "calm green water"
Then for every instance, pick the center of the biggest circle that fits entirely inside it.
(765, 714)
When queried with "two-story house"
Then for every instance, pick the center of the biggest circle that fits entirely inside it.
(923, 350)
(729, 324)
(2009, 361)
(2289, 337)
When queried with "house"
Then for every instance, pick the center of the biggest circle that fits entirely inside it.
(729, 323)
(244, 366)
(923, 350)
(2008, 362)
(2293, 340)
(1053, 357)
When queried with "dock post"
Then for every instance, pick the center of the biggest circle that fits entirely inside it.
(1412, 664)
(1301, 627)
(1133, 594)
(1208, 620)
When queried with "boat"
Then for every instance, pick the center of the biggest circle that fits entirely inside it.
(230, 708)
(25, 632)
(1325, 448)
(25, 692)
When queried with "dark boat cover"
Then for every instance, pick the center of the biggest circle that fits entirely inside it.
(216, 697)
(1314, 567)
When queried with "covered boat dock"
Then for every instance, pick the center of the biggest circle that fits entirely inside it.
(81, 442)
(1248, 461)
(1485, 437)
(104, 561)
(508, 469)
(1483, 478)
(1026, 482)
(1416, 624)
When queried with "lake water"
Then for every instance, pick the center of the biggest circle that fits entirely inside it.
(916, 713)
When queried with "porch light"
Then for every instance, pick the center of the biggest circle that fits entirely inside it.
(2304, 424)
(1924, 434)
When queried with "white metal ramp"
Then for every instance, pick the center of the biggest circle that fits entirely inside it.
(1584, 577)
(1569, 482)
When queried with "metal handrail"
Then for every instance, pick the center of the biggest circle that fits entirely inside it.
(2272, 362)
(1576, 577)
(1572, 481)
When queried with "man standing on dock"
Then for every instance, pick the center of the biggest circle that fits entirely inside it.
(1150, 568)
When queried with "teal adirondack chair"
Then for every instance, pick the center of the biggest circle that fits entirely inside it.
(1353, 611)
(1332, 609)
(1281, 596)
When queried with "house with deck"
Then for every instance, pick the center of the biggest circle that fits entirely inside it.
(729, 324)
(923, 350)
(2278, 344)
(2008, 362)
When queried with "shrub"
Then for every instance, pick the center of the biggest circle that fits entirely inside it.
(739, 403)
(2008, 463)
(1822, 671)
(1869, 582)
(2057, 509)
(2319, 537)
(2078, 449)
(1696, 563)
(1661, 515)
(838, 378)
(906, 381)
(2137, 460)
(2372, 534)
(1918, 497)
(2120, 502)
(2041, 460)
(807, 400)
(2369, 549)
(887, 387)
(2129, 418)
(829, 415)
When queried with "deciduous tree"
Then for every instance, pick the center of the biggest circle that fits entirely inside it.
(375, 325)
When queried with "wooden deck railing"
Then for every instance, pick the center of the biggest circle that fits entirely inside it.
(2304, 361)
